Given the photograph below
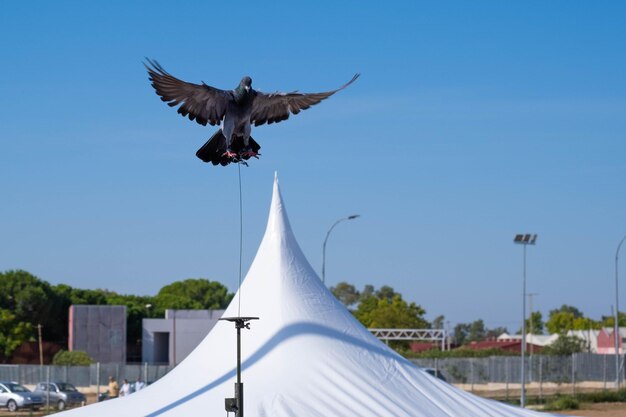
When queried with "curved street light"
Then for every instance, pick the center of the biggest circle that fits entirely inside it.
(354, 216)
(616, 324)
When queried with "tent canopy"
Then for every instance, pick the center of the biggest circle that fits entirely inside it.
(307, 356)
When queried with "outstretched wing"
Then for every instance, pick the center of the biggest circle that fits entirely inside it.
(199, 102)
(276, 107)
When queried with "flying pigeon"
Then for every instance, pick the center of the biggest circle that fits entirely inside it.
(235, 110)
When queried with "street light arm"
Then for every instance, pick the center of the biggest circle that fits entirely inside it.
(619, 247)
(352, 217)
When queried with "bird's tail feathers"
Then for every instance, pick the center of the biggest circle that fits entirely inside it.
(213, 150)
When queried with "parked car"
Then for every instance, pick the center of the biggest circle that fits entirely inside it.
(61, 394)
(14, 396)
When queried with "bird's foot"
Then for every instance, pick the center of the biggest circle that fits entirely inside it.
(250, 154)
(247, 152)
(230, 154)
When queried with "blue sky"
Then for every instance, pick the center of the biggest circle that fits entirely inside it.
(471, 122)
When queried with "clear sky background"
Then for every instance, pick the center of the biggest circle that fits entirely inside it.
(471, 122)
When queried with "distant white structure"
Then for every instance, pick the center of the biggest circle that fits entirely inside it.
(600, 341)
(171, 339)
(535, 339)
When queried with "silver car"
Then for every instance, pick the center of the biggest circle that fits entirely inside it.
(60, 394)
(14, 396)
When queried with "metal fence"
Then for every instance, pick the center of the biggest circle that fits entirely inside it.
(82, 376)
(570, 370)
(540, 369)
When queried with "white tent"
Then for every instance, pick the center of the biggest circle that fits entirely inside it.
(306, 356)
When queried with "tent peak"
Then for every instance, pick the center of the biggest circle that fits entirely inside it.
(278, 221)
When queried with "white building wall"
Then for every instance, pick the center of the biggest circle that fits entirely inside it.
(184, 329)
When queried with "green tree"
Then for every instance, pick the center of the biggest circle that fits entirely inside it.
(585, 323)
(495, 332)
(535, 324)
(34, 302)
(568, 309)
(75, 357)
(569, 318)
(193, 294)
(608, 321)
(375, 312)
(346, 293)
(477, 331)
(13, 333)
(461, 332)
(438, 322)
(386, 292)
(560, 322)
(566, 345)
(368, 291)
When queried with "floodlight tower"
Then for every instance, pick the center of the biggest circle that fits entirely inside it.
(524, 240)
(235, 405)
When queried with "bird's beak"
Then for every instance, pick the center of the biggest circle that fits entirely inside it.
(247, 87)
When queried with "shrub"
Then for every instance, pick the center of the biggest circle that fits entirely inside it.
(563, 402)
(75, 357)
(604, 396)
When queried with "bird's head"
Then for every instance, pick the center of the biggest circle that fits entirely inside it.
(246, 83)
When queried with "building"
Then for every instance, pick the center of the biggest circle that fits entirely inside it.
(505, 345)
(171, 339)
(531, 339)
(606, 341)
(99, 330)
(599, 341)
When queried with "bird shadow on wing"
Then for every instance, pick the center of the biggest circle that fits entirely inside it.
(289, 332)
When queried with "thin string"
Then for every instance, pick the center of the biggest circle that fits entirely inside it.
(240, 240)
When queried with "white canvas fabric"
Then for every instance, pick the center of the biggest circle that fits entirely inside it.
(306, 356)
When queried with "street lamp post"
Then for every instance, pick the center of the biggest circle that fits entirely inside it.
(354, 216)
(532, 338)
(616, 324)
(524, 240)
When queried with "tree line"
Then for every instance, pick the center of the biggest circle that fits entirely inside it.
(27, 301)
(385, 308)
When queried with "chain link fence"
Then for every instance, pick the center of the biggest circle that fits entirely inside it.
(492, 373)
(82, 376)
(582, 370)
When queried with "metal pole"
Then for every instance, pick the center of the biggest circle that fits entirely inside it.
(239, 385)
(541, 378)
(97, 380)
(525, 240)
(236, 404)
(354, 216)
(174, 337)
(616, 325)
(523, 393)
(48, 389)
(573, 374)
(39, 326)
(506, 376)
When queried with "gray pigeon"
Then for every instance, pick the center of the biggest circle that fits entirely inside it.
(238, 109)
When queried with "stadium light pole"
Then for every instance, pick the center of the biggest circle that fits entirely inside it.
(524, 240)
(616, 324)
(354, 216)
